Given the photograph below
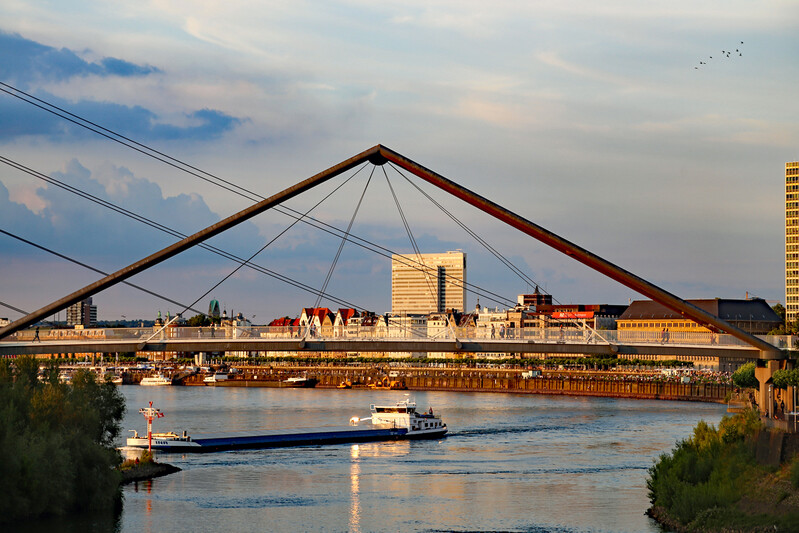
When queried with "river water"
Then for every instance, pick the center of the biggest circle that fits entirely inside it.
(510, 463)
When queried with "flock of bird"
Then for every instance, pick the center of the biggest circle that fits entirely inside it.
(724, 54)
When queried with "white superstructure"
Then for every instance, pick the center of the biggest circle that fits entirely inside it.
(156, 380)
(215, 378)
(162, 441)
(403, 414)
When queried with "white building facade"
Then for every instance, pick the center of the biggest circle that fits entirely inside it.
(428, 283)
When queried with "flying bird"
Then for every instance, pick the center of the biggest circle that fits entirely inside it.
(724, 53)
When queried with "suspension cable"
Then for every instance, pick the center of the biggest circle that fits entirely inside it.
(516, 270)
(343, 240)
(247, 261)
(17, 309)
(425, 268)
(405, 260)
(175, 233)
(84, 265)
(121, 139)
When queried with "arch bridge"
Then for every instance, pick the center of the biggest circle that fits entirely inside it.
(751, 346)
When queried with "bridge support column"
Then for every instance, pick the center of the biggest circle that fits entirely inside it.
(765, 396)
(788, 396)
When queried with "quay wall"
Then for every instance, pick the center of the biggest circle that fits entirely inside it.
(572, 383)
(583, 385)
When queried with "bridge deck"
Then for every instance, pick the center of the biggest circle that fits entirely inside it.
(375, 345)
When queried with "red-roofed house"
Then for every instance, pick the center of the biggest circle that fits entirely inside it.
(320, 319)
(343, 317)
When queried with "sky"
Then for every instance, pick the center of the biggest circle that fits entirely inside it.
(620, 127)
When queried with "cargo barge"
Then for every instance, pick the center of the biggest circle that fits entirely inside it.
(395, 422)
(171, 442)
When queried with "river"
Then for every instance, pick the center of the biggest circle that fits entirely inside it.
(526, 463)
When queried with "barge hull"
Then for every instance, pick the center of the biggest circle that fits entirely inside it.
(275, 440)
(286, 438)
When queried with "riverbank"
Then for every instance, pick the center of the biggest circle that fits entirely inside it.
(739, 478)
(145, 471)
(650, 385)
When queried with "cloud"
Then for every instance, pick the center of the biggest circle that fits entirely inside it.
(554, 60)
(18, 119)
(26, 61)
(88, 231)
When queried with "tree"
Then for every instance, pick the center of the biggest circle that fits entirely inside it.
(786, 328)
(783, 379)
(57, 452)
(745, 378)
(199, 321)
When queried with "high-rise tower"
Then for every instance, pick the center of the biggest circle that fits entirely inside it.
(82, 313)
(791, 241)
(435, 285)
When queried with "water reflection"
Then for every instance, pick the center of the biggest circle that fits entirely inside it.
(147, 487)
(355, 489)
(108, 522)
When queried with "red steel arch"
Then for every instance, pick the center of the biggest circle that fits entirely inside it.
(379, 155)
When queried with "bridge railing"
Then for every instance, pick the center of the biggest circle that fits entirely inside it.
(543, 335)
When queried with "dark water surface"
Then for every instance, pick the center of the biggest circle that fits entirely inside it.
(510, 463)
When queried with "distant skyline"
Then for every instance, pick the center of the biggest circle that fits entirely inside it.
(592, 121)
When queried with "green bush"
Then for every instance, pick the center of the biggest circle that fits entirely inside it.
(736, 428)
(706, 471)
(56, 442)
(744, 377)
(783, 379)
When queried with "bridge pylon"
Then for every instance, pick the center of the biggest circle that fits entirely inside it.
(767, 396)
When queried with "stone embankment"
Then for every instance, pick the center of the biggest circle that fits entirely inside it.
(587, 386)
(642, 384)
(593, 384)
(626, 384)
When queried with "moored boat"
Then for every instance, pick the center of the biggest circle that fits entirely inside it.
(156, 380)
(215, 378)
(300, 382)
